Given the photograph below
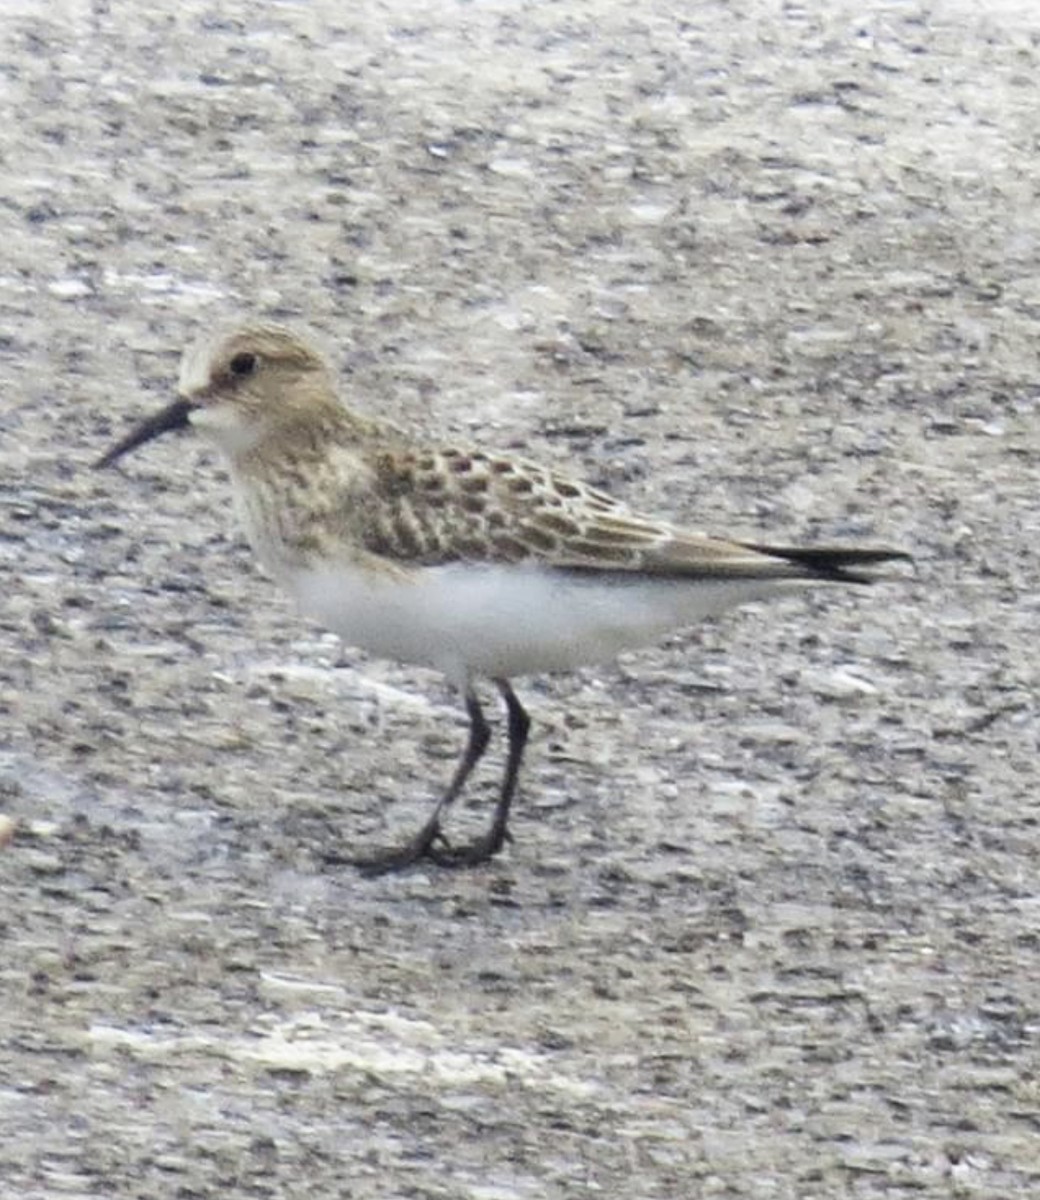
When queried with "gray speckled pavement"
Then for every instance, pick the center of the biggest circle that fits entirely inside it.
(769, 925)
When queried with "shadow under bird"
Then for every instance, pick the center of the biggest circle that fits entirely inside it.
(478, 564)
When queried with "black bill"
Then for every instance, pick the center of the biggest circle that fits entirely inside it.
(173, 416)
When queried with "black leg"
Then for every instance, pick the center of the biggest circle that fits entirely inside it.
(519, 727)
(492, 842)
(422, 845)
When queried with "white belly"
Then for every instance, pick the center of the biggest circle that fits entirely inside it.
(505, 620)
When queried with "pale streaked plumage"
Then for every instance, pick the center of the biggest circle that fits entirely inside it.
(475, 563)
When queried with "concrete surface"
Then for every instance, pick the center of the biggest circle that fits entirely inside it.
(769, 925)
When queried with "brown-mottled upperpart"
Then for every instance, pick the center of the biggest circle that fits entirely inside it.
(478, 564)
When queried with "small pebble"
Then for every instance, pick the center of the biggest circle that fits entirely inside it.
(8, 825)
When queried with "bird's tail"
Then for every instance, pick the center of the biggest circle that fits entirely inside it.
(840, 564)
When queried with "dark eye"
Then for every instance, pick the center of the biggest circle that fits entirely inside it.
(243, 364)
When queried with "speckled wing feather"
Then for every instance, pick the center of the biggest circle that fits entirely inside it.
(448, 505)
(437, 506)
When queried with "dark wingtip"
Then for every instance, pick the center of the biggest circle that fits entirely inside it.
(173, 416)
(842, 564)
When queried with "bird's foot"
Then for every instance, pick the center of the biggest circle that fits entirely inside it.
(400, 858)
(430, 845)
(472, 854)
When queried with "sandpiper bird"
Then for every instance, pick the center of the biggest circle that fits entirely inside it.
(474, 563)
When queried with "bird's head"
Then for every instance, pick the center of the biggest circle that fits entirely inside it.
(237, 388)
